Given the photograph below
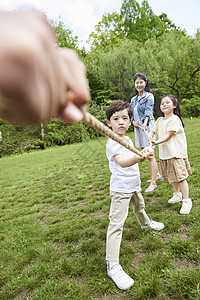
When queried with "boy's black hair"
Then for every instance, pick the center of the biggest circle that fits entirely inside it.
(118, 106)
(177, 110)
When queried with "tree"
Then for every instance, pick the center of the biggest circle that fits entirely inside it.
(64, 36)
(190, 107)
(112, 72)
(179, 58)
(169, 24)
(108, 33)
(171, 63)
(134, 22)
(141, 23)
(66, 39)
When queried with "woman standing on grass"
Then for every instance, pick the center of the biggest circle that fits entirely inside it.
(142, 106)
(172, 143)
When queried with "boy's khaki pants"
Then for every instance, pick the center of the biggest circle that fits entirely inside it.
(118, 213)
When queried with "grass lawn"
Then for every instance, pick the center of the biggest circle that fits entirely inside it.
(191, 121)
(54, 207)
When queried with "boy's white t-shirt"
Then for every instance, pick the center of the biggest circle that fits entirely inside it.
(123, 180)
(176, 146)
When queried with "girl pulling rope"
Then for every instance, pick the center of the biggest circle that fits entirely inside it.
(172, 143)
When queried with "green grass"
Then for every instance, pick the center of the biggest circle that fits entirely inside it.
(191, 121)
(54, 207)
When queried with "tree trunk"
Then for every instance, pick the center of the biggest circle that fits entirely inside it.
(42, 134)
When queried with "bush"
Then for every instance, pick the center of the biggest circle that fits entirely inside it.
(190, 107)
(18, 139)
(58, 132)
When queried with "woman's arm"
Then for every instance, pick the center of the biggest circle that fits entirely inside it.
(149, 106)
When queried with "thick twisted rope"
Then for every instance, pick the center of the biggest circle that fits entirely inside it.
(100, 127)
(150, 143)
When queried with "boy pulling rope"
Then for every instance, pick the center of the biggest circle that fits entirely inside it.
(100, 127)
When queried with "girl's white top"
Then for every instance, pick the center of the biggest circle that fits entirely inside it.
(176, 147)
(124, 180)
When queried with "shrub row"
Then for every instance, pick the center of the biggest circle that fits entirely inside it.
(18, 139)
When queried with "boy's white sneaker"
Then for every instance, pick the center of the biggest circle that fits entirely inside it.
(177, 197)
(154, 225)
(120, 278)
(186, 206)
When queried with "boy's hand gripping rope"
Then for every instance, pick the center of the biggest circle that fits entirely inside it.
(100, 127)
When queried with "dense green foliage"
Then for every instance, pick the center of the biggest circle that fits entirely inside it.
(136, 40)
(171, 63)
(65, 38)
(18, 139)
(134, 22)
(191, 107)
(54, 208)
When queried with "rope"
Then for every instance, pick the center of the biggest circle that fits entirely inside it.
(150, 143)
(138, 132)
(100, 127)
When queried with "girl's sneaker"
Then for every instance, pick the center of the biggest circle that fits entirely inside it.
(177, 197)
(120, 278)
(186, 206)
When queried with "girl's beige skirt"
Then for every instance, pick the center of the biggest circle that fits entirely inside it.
(175, 169)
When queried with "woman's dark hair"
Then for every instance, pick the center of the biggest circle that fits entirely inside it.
(142, 76)
(118, 106)
(177, 110)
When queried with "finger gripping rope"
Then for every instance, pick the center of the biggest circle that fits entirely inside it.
(100, 127)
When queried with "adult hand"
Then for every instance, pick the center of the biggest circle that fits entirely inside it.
(144, 127)
(135, 124)
(75, 103)
(37, 80)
